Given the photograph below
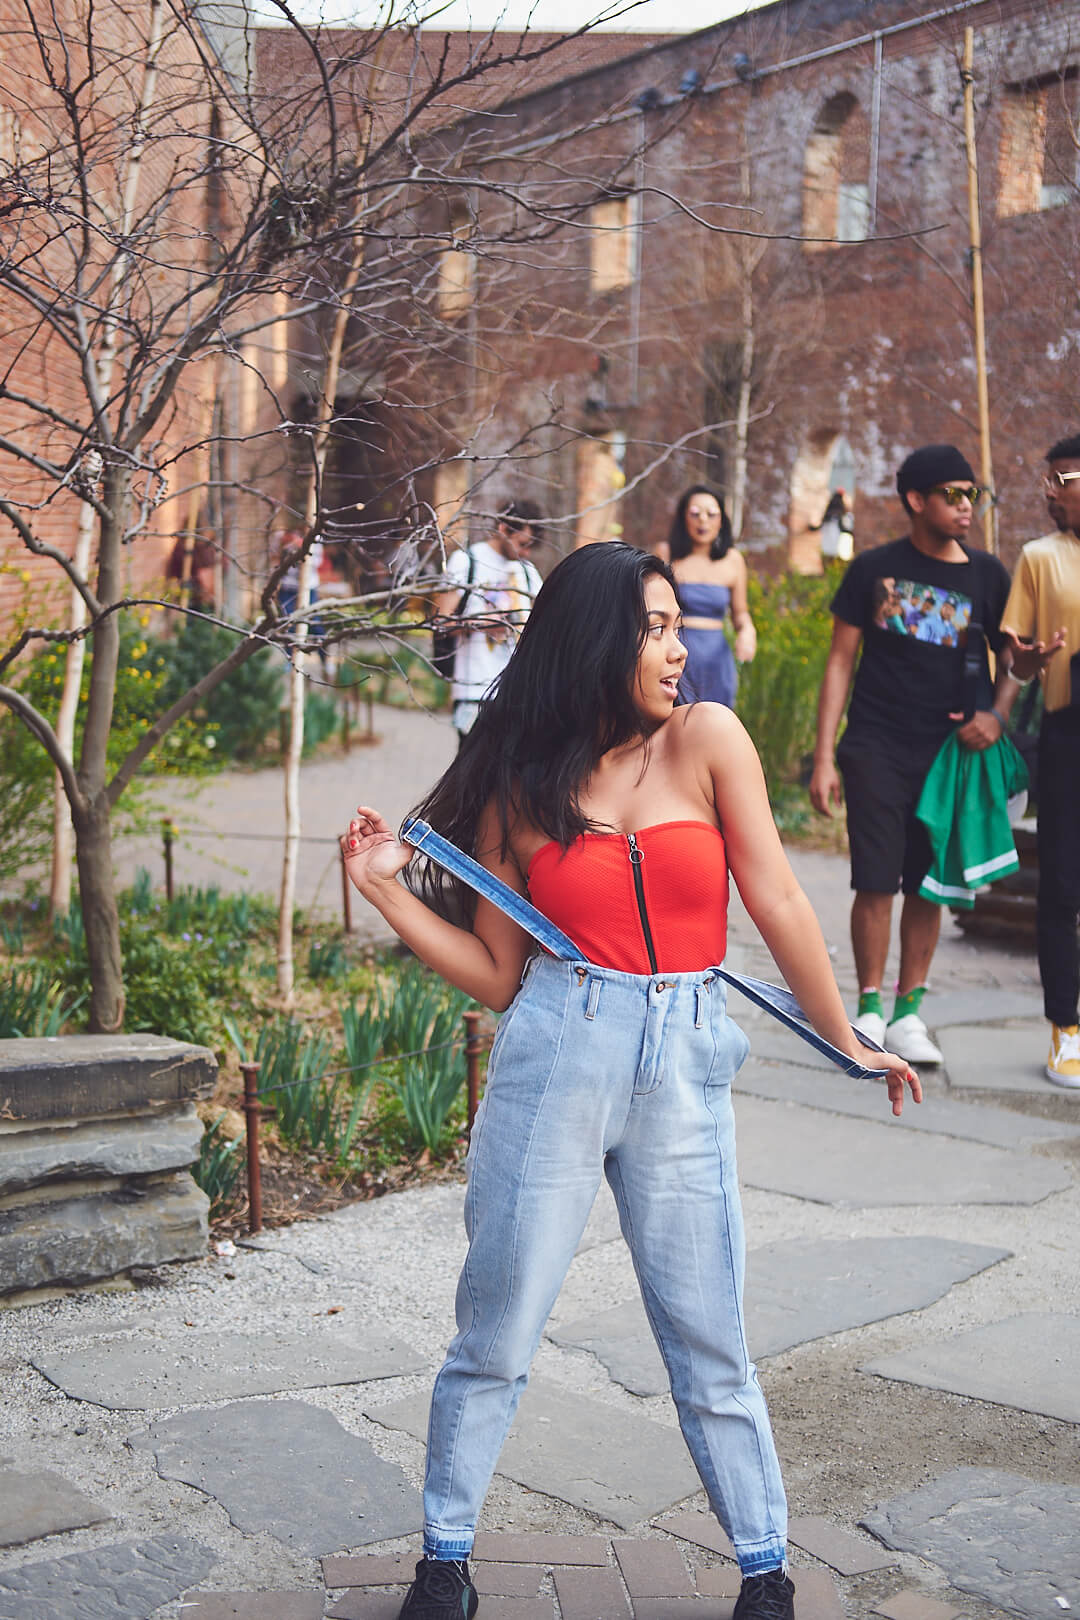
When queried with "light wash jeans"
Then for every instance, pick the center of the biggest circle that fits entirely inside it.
(596, 1071)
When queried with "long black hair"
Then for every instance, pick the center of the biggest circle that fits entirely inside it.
(678, 539)
(562, 702)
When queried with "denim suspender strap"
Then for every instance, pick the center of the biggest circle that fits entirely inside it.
(772, 998)
(439, 849)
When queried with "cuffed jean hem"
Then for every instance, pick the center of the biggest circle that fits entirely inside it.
(447, 1548)
(758, 1560)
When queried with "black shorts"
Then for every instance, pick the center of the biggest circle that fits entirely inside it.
(890, 849)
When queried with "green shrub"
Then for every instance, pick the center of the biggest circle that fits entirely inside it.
(243, 710)
(778, 692)
(218, 1167)
(33, 1002)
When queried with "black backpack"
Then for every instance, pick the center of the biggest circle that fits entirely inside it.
(444, 640)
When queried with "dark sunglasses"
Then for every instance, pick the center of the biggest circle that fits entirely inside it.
(953, 494)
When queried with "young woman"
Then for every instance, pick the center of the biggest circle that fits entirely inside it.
(621, 815)
(710, 578)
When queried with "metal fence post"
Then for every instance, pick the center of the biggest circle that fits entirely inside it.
(252, 1111)
(168, 834)
(473, 1046)
(346, 897)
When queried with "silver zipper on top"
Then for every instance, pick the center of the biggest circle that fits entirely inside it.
(637, 856)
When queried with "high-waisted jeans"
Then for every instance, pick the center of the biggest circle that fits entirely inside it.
(596, 1071)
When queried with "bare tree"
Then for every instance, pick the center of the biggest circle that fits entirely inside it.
(175, 234)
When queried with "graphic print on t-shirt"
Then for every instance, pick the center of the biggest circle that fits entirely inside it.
(924, 612)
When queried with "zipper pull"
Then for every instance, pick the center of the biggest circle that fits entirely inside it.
(636, 855)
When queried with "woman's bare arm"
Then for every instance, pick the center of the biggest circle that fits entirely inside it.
(770, 891)
(487, 962)
(745, 631)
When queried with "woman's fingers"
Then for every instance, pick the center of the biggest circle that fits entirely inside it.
(901, 1074)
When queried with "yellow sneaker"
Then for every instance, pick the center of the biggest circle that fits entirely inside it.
(1063, 1064)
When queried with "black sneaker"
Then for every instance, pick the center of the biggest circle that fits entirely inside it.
(766, 1597)
(442, 1590)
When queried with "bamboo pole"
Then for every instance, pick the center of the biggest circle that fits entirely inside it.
(990, 524)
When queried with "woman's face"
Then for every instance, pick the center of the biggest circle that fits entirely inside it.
(661, 659)
(703, 519)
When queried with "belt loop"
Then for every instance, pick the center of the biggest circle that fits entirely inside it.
(699, 1004)
(594, 998)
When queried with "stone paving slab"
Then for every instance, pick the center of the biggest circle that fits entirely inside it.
(507, 1580)
(370, 1569)
(865, 1099)
(999, 1057)
(1028, 1361)
(367, 1606)
(289, 1469)
(852, 1163)
(910, 1605)
(653, 1568)
(254, 1606)
(536, 1547)
(42, 1503)
(591, 1594)
(126, 1580)
(816, 1597)
(795, 1291)
(621, 1467)
(1008, 1539)
(129, 1374)
(699, 1528)
(847, 1554)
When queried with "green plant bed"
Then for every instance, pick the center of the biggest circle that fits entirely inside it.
(363, 1084)
(778, 691)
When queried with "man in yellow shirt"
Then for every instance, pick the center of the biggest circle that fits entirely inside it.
(1042, 622)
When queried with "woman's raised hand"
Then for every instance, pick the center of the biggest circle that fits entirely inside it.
(371, 850)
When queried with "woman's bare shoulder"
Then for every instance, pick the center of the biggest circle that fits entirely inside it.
(697, 722)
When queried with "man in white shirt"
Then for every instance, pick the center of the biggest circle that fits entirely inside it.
(492, 587)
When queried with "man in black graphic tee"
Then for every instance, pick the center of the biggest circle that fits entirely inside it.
(923, 610)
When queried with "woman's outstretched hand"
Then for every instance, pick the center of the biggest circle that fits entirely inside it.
(371, 851)
(900, 1074)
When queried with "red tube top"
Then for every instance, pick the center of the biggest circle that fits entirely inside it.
(617, 895)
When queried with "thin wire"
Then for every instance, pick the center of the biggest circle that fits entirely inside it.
(268, 838)
(355, 1068)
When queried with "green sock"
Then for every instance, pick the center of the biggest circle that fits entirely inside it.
(909, 1002)
(870, 1002)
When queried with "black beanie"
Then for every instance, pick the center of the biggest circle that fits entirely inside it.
(932, 464)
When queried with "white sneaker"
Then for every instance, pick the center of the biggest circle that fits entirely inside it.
(1063, 1064)
(872, 1025)
(908, 1038)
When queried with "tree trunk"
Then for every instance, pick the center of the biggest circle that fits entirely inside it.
(93, 848)
(60, 882)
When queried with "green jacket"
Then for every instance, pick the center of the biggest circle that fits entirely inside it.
(964, 807)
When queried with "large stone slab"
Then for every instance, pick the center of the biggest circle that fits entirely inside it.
(795, 1291)
(79, 1076)
(997, 1057)
(125, 1581)
(1011, 1540)
(1028, 1361)
(129, 1374)
(289, 1469)
(623, 1468)
(76, 1240)
(830, 1159)
(135, 1146)
(42, 1504)
(866, 1099)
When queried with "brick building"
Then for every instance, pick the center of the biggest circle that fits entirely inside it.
(610, 352)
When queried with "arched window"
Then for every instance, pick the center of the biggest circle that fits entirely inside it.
(836, 168)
